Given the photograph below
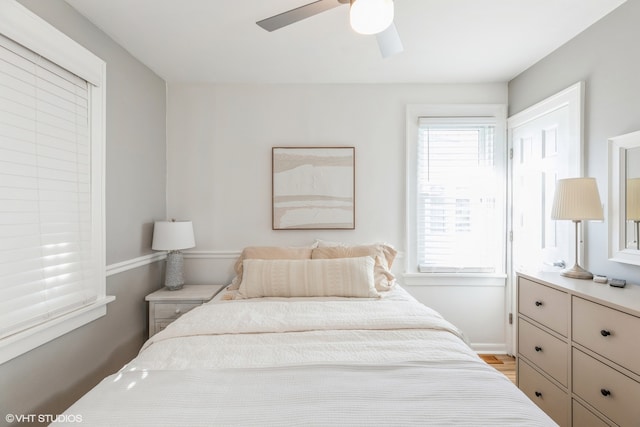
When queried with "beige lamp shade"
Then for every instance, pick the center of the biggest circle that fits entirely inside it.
(173, 235)
(633, 199)
(577, 199)
(370, 16)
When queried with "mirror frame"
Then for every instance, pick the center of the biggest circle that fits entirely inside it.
(618, 147)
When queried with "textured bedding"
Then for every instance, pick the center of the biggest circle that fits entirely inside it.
(308, 361)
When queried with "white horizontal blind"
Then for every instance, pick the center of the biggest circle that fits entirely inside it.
(46, 255)
(458, 222)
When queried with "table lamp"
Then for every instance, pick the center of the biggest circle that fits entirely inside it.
(577, 199)
(172, 236)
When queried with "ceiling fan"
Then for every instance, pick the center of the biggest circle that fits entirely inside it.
(366, 17)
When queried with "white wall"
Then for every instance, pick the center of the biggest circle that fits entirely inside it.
(219, 173)
(606, 57)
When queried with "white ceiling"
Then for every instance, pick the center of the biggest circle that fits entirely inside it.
(445, 41)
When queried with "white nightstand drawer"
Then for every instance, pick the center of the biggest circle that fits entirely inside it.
(546, 351)
(173, 310)
(543, 304)
(610, 392)
(165, 306)
(551, 399)
(608, 332)
(584, 417)
(161, 324)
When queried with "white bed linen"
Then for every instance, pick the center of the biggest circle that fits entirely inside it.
(276, 361)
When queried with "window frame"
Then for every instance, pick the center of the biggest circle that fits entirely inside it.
(24, 27)
(450, 111)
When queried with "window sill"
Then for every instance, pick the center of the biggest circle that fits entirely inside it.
(455, 279)
(22, 342)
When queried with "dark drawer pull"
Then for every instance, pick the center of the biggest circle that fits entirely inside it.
(538, 348)
(538, 303)
(538, 394)
(605, 333)
(605, 392)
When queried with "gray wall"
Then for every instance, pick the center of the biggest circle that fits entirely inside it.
(607, 58)
(50, 378)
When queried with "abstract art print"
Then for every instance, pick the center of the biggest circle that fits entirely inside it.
(313, 188)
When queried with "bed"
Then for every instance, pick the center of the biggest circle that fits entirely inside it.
(289, 357)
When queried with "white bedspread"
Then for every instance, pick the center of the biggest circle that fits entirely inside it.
(298, 362)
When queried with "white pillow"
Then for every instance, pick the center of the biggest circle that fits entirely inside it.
(340, 277)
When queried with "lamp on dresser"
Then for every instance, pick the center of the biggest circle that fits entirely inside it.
(173, 236)
(577, 199)
(633, 206)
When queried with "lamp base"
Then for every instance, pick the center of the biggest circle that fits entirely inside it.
(174, 277)
(576, 272)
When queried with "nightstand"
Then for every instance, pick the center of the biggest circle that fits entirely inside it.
(165, 306)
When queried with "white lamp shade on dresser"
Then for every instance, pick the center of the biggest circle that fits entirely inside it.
(577, 199)
(173, 235)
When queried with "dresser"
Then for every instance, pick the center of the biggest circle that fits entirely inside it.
(165, 306)
(579, 349)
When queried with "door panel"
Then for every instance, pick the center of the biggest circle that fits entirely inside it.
(541, 156)
(546, 144)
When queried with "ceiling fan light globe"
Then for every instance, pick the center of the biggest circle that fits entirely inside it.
(370, 16)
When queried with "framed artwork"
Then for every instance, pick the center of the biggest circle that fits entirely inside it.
(313, 188)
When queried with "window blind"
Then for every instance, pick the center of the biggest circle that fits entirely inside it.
(46, 255)
(457, 219)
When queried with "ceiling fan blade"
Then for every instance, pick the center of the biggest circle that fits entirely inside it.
(389, 41)
(298, 14)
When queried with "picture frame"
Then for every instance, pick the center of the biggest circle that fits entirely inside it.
(313, 188)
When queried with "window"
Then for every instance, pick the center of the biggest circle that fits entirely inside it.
(457, 194)
(51, 211)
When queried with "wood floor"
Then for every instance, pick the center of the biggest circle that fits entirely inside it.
(503, 363)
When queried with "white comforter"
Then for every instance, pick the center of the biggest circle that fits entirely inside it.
(306, 362)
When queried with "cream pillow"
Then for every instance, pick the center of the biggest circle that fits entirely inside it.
(384, 255)
(266, 252)
(343, 277)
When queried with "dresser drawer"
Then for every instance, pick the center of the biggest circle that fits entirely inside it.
(548, 352)
(582, 417)
(172, 310)
(608, 332)
(610, 392)
(551, 399)
(543, 304)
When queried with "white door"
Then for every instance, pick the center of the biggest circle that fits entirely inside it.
(545, 145)
(540, 157)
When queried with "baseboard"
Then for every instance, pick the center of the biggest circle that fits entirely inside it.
(489, 348)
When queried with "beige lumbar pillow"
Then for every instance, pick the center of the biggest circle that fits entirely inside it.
(382, 254)
(342, 277)
(266, 252)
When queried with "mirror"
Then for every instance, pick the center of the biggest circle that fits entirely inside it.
(624, 198)
(632, 223)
